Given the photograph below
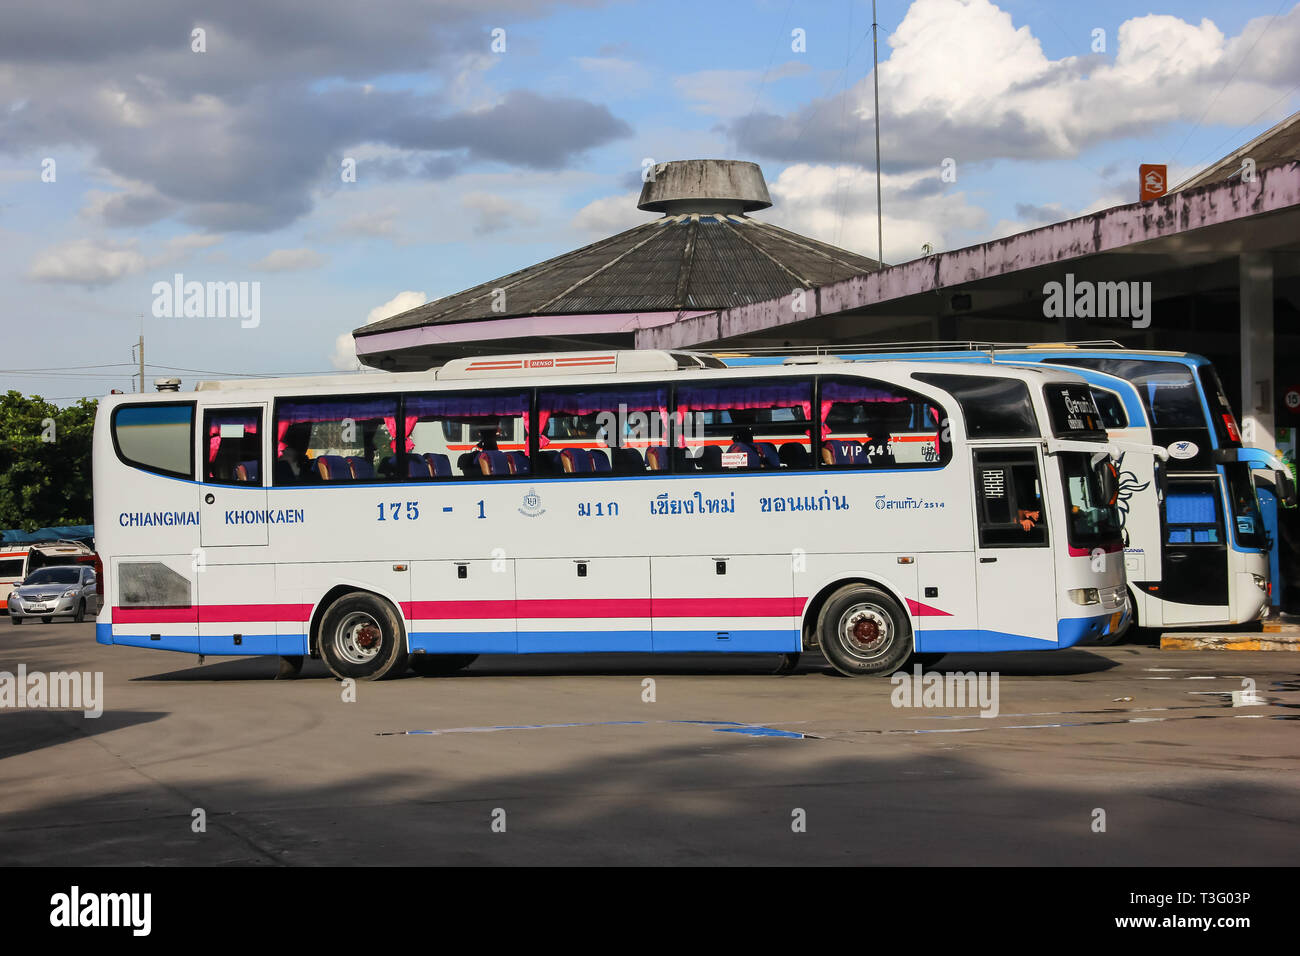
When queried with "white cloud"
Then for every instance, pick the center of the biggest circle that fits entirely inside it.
(963, 80)
(88, 262)
(493, 212)
(345, 350)
(289, 260)
(97, 262)
(610, 215)
(838, 205)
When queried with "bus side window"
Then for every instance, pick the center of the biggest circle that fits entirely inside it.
(333, 440)
(745, 426)
(233, 449)
(1009, 491)
(621, 431)
(464, 436)
(866, 424)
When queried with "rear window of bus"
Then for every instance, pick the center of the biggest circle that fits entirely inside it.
(156, 437)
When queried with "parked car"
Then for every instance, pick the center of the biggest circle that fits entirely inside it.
(17, 562)
(59, 591)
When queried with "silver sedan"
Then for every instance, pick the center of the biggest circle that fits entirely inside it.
(50, 592)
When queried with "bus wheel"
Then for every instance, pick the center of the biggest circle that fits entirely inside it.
(862, 630)
(361, 637)
(788, 664)
(439, 665)
(290, 666)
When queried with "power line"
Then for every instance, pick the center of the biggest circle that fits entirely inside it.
(1242, 62)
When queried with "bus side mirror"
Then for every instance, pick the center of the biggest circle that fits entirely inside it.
(1285, 488)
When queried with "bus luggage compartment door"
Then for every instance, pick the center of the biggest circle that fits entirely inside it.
(575, 605)
(741, 603)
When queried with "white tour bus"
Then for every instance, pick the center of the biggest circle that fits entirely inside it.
(624, 501)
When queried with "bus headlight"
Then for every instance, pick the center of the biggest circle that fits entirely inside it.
(1260, 581)
(1085, 596)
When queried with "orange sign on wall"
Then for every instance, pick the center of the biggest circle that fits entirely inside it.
(1153, 181)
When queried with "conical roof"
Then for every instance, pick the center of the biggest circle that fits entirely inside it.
(689, 261)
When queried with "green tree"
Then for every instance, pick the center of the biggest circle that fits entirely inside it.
(45, 474)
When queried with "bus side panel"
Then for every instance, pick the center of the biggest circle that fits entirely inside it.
(152, 603)
(741, 603)
(576, 604)
(463, 607)
(946, 614)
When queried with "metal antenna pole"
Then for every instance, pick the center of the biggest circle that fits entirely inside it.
(875, 76)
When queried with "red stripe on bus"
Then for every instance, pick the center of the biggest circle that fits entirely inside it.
(924, 610)
(486, 609)
(213, 613)
(605, 608)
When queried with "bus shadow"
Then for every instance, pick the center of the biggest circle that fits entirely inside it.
(26, 731)
(1026, 664)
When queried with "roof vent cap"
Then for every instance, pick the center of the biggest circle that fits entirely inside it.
(705, 186)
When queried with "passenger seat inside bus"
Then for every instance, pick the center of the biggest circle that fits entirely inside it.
(795, 456)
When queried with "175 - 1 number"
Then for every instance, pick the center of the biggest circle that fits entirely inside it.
(396, 511)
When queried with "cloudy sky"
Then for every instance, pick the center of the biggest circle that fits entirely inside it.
(127, 156)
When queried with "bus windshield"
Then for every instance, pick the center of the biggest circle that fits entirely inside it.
(1168, 389)
(1093, 519)
(63, 575)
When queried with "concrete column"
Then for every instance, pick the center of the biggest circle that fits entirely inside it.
(1255, 287)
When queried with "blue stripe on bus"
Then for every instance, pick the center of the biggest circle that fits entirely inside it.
(779, 641)
(464, 642)
(251, 644)
(1069, 632)
(569, 642)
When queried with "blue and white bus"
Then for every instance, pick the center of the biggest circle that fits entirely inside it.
(643, 502)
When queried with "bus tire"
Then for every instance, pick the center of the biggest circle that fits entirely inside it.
(787, 664)
(863, 631)
(361, 638)
(440, 665)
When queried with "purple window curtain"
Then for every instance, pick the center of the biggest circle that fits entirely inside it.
(334, 410)
(467, 405)
(760, 395)
(591, 403)
(841, 392)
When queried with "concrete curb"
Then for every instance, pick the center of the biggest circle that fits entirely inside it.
(1230, 642)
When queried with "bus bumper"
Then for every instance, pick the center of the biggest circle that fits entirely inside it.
(103, 633)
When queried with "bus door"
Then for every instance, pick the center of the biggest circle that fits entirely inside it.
(1195, 572)
(232, 497)
(1014, 570)
(236, 588)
